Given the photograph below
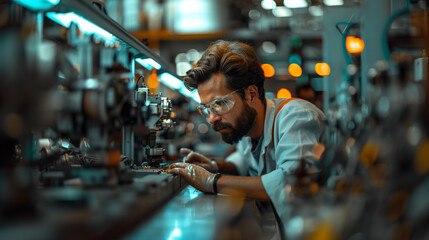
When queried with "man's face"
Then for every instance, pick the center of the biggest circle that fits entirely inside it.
(241, 126)
(234, 124)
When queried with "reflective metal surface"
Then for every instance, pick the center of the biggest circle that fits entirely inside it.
(190, 215)
(195, 215)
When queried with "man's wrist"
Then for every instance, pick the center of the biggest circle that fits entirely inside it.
(215, 179)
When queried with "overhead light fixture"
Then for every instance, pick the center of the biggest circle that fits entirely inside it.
(177, 84)
(295, 3)
(87, 27)
(316, 11)
(282, 12)
(268, 4)
(148, 63)
(333, 2)
(193, 16)
(37, 5)
(193, 95)
(171, 81)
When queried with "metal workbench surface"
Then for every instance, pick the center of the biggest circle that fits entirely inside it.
(194, 215)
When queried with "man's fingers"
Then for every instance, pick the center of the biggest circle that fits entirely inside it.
(185, 151)
(178, 171)
(177, 165)
(192, 157)
(177, 168)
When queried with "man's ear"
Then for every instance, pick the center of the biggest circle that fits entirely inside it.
(253, 93)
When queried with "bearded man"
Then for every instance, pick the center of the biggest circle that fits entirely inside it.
(272, 137)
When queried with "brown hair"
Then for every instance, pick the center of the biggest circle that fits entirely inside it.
(236, 60)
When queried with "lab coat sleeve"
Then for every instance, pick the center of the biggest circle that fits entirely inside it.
(297, 131)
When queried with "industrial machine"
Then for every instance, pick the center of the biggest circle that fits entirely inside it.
(80, 156)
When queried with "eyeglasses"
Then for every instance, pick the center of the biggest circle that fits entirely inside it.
(218, 106)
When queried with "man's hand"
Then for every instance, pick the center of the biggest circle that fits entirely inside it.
(200, 160)
(195, 175)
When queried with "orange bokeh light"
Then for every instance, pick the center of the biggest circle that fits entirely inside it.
(295, 70)
(268, 70)
(354, 44)
(323, 69)
(284, 93)
(153, 81)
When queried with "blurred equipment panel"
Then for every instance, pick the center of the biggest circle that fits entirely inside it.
(80, 156)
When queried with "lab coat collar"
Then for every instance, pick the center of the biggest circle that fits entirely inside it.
(270, 109)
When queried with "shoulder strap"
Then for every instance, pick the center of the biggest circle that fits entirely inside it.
(279, 221)
(275, 116)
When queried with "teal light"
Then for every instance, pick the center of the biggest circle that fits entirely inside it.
(318, 84)
(193, 95)
(294, 58)
(171, 81)
(87, 27)
(176, 233)
(148, 63)
(37, 5)
(176, 84)
(333, 2)
(295, 3)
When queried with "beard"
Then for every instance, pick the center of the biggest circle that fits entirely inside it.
(244, 124)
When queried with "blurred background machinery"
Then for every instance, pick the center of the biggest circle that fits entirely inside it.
(79, 125)
(91, 115)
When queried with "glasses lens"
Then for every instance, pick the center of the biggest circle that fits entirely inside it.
(218, 107)
(204, 111)
(223, 105)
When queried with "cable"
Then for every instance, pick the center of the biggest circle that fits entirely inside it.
(344, 35)
(138, 80)
(384, 38)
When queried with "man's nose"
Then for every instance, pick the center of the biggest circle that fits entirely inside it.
(214, 118)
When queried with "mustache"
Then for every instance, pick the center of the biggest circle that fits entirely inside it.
(219, 125)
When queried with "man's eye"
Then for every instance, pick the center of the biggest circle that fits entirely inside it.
(219, 104)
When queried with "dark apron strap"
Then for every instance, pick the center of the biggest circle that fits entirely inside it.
(279, 223)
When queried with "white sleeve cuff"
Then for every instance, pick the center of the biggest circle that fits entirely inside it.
(236, 158)
(272, 184)
(276, 181)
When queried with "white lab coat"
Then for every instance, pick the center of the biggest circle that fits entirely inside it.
(298, 127)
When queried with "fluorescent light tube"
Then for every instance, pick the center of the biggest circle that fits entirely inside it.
(194, 95)
(282, 12)
(268, 4)
(171, 81)
(148, 63)
(333, 2)
(65, 19)
(295, 3)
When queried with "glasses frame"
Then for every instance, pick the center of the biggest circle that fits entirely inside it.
(202, 107)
